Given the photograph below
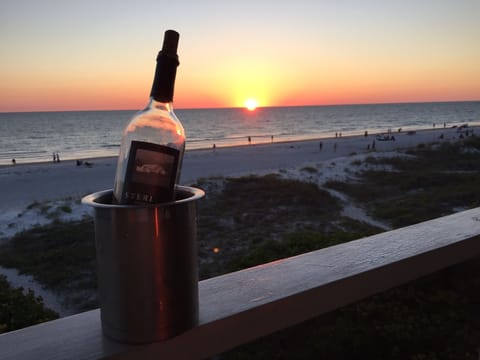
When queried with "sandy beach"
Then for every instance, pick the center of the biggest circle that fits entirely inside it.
(27, 184)
(32, 194)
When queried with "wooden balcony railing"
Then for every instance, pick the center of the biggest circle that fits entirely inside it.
(242, 306)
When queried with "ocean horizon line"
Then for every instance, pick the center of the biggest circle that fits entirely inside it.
(258, 107)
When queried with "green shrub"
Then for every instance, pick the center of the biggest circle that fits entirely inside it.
(292, 244)
(66, 209)
(19, 309)
(310, 169)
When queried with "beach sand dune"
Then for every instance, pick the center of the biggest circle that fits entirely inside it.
(26, 184)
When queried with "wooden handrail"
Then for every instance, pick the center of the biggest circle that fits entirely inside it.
(242, 306)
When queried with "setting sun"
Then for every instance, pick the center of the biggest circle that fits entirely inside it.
(251, 104)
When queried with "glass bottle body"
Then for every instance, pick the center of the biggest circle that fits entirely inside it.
(150, 158)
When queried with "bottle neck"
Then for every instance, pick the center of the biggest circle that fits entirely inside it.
(160, 105)
(164, 80)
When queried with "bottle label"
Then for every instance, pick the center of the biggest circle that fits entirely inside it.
(151, 173)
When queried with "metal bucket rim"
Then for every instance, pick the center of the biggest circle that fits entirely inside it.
(192, 195)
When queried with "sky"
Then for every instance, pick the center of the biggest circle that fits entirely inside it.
(60, 55)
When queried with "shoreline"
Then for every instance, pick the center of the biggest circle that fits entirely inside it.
(348, 135)
(49, 181)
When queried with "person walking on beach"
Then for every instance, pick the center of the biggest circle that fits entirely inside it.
(373, 145)
(335, 147)
(249, 140)
(320, 145)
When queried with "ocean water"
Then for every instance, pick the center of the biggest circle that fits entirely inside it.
(33, 137)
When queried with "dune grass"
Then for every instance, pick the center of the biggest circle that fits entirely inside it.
(434, 181)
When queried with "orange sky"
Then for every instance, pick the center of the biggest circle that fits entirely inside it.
(60, 55)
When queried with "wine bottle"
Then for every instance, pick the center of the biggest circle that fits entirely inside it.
(153, 142)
